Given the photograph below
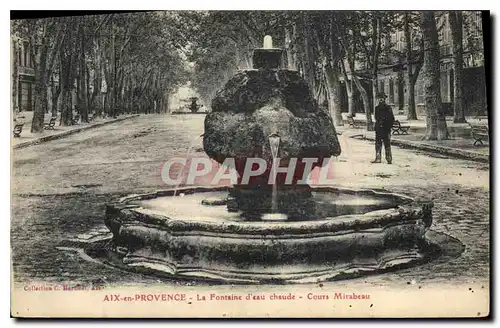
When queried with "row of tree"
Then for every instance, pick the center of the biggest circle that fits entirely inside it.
(137, 59)
(115, 63)
(330, 47)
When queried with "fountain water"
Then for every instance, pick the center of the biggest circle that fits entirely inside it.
(261, 232)
(274, 143)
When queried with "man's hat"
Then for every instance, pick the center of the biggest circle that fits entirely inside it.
(381, 95)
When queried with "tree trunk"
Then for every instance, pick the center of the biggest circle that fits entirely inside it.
(130, 95)
(105, 104)
(374, 101)
(413, 69)
(40, 66)
(401, 99)
(66, 108)
(55, 91)
(78, 104)
(119, 92)
(436, 122)
(350, 99)
(107, 77)
(15, 78)
(52, 55)
(456, 22)
(366, 102)
(412, 112)
(412, 108)
(309, 60)
(290, 54)
(55, 101)
(333, 91)
(84, 110)
(89, 97)
(45, 97)
(98, 81)
(40, 92)
(167, 103)
(114, 84)
(376, 44)
(66, 79)
(349, 88)
(96, 92)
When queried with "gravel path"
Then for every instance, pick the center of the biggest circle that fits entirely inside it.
(59, 189)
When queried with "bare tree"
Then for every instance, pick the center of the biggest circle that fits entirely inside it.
(374, 61)
(68, 64)
(41, 35)
(348, 45)
(413, 65)
(330, 55)
(15, 78)
(456, 24)
(436, 122)
(308, 61)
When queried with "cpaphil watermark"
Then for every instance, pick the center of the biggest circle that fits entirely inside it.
(206, 171)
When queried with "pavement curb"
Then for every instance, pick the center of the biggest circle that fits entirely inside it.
(453, 152)
(67, 133)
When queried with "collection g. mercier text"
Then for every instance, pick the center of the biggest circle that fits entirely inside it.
(198, 297)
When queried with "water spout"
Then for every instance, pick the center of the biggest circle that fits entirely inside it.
(274, 142)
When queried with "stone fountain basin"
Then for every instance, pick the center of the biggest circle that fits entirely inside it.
(177, 236)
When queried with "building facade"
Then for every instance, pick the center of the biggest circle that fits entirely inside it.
(23, 75)
(393, 77)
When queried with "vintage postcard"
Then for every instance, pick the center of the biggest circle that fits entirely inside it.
(250, 164)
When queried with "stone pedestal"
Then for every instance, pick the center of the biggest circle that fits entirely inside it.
(183, 239)
(294, 201)
(267, 58)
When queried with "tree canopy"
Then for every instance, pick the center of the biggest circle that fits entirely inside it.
(131, 62)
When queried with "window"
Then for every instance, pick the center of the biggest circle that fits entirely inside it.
(25, 54)
(447, 31)
(400, 45)
(19, 54)
(476, 23)
(386, 89)
(26, 96)
(472, 30)
(451, 86)
(396, 91)
(391, 91)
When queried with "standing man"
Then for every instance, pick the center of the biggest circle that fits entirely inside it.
(384, 118)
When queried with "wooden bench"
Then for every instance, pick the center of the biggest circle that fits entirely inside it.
(50, 125)
(479, 133)
(75, 120)
(18, 128)
(398, 128)
(353, 123)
